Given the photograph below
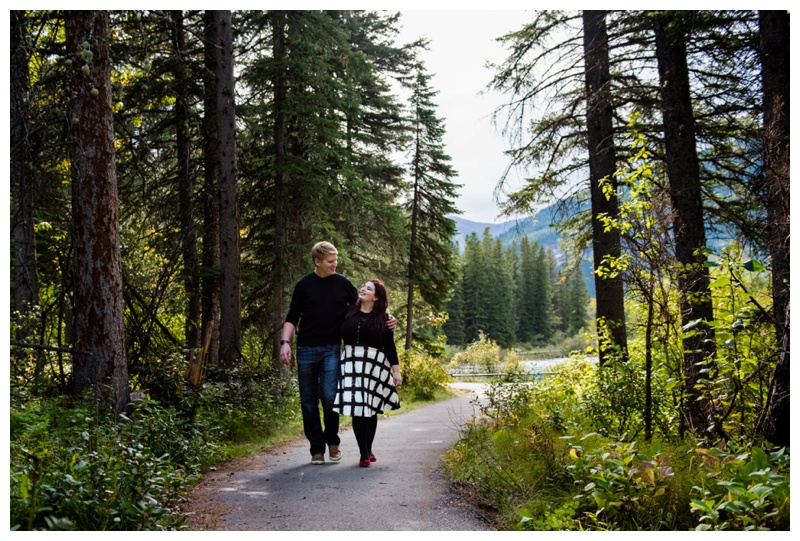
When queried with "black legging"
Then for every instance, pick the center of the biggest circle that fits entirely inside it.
(364, 428)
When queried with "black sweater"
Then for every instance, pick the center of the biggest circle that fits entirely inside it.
(355, 332)
(318, 307)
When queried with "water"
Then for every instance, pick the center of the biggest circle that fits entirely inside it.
(543, 366)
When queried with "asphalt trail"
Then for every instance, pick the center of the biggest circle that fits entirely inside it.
(405, 490)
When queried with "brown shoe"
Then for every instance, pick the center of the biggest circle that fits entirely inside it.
(319, 458)
(334, 453)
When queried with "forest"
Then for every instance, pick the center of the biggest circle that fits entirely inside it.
(170, 171)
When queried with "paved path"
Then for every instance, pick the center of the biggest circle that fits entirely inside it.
(404, 490)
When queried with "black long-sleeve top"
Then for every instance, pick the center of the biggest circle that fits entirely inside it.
(319, 305)
(356, 332)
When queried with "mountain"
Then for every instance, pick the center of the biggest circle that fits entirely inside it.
(536, 228)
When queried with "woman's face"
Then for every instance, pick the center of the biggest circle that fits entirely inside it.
(367, 293)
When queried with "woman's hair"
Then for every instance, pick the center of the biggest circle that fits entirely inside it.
(377, 317)
(323, 249)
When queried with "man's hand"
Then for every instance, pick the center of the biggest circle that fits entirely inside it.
(286, 353)
(391, 322)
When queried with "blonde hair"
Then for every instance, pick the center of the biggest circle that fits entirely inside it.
(323, 249)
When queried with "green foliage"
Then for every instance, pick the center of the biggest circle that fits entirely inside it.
(511, 452)
(623, 488)
(423, 375)
(547, 519)
(745, 489)
(559, 398)
(484, 354)
(73, 467)
(739, 381)
(506, 459)
(614, 404)
(249, 402)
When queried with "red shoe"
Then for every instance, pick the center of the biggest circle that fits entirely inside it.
(364, 463)
(372, 458)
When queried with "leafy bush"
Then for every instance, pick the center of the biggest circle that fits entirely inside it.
(548, 519)
(249, 402)
(622, 487)
(74, 467)
(615, 402)
(423, 375)
(508, 453)
(750, 492)
(484, 354)
(558, 398)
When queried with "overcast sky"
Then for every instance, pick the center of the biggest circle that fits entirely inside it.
(460, 44)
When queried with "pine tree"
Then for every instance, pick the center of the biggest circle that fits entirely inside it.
(431, 267)
(99, 355)
(26, 280)
(475, 286)
(526, 291)
(688, 225)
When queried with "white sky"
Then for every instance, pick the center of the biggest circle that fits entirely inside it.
(460, 44)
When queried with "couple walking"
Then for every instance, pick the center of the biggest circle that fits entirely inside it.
(346, 357)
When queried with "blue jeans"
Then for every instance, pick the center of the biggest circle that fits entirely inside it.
(318, 376)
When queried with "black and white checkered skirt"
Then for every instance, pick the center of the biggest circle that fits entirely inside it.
(366, 386)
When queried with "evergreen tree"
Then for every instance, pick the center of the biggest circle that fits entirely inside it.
(602, 165)
(688, 225)
(499, 297)
(475, 286)
(542, 322)
(26, 281)
(526, 291)
(99, 348)
(774, 48)
(575, 303)
(431, 267)
(453, 328)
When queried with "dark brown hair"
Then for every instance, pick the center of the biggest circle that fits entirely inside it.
(377, 317)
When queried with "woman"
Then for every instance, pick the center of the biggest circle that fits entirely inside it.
(369, 368)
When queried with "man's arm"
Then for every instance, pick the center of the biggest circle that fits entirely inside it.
(286, 348)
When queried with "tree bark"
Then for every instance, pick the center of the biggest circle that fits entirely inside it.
(191, 277)
(210, 198)
(280, 269)
(230, 331)
(99, 330)
(774, 33)
(26, 283)
(688, 224)
(603, 165)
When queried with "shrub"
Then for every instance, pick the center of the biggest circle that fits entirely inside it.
(75, 467)
(750, 492)
(484, 354)
(249, 402)
(423, 375)
(622, 487)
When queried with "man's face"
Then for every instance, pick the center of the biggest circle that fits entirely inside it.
(326, 266)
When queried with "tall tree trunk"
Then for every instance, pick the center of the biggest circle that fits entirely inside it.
(230, 331)
(26, 283)
(602, 164)
(210, 198)
(774, 31)
(280, 269)
(191, 276)
(99, 343)
(688, 225)
(412, 261)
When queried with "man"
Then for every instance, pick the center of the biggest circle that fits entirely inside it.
(319, 303)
